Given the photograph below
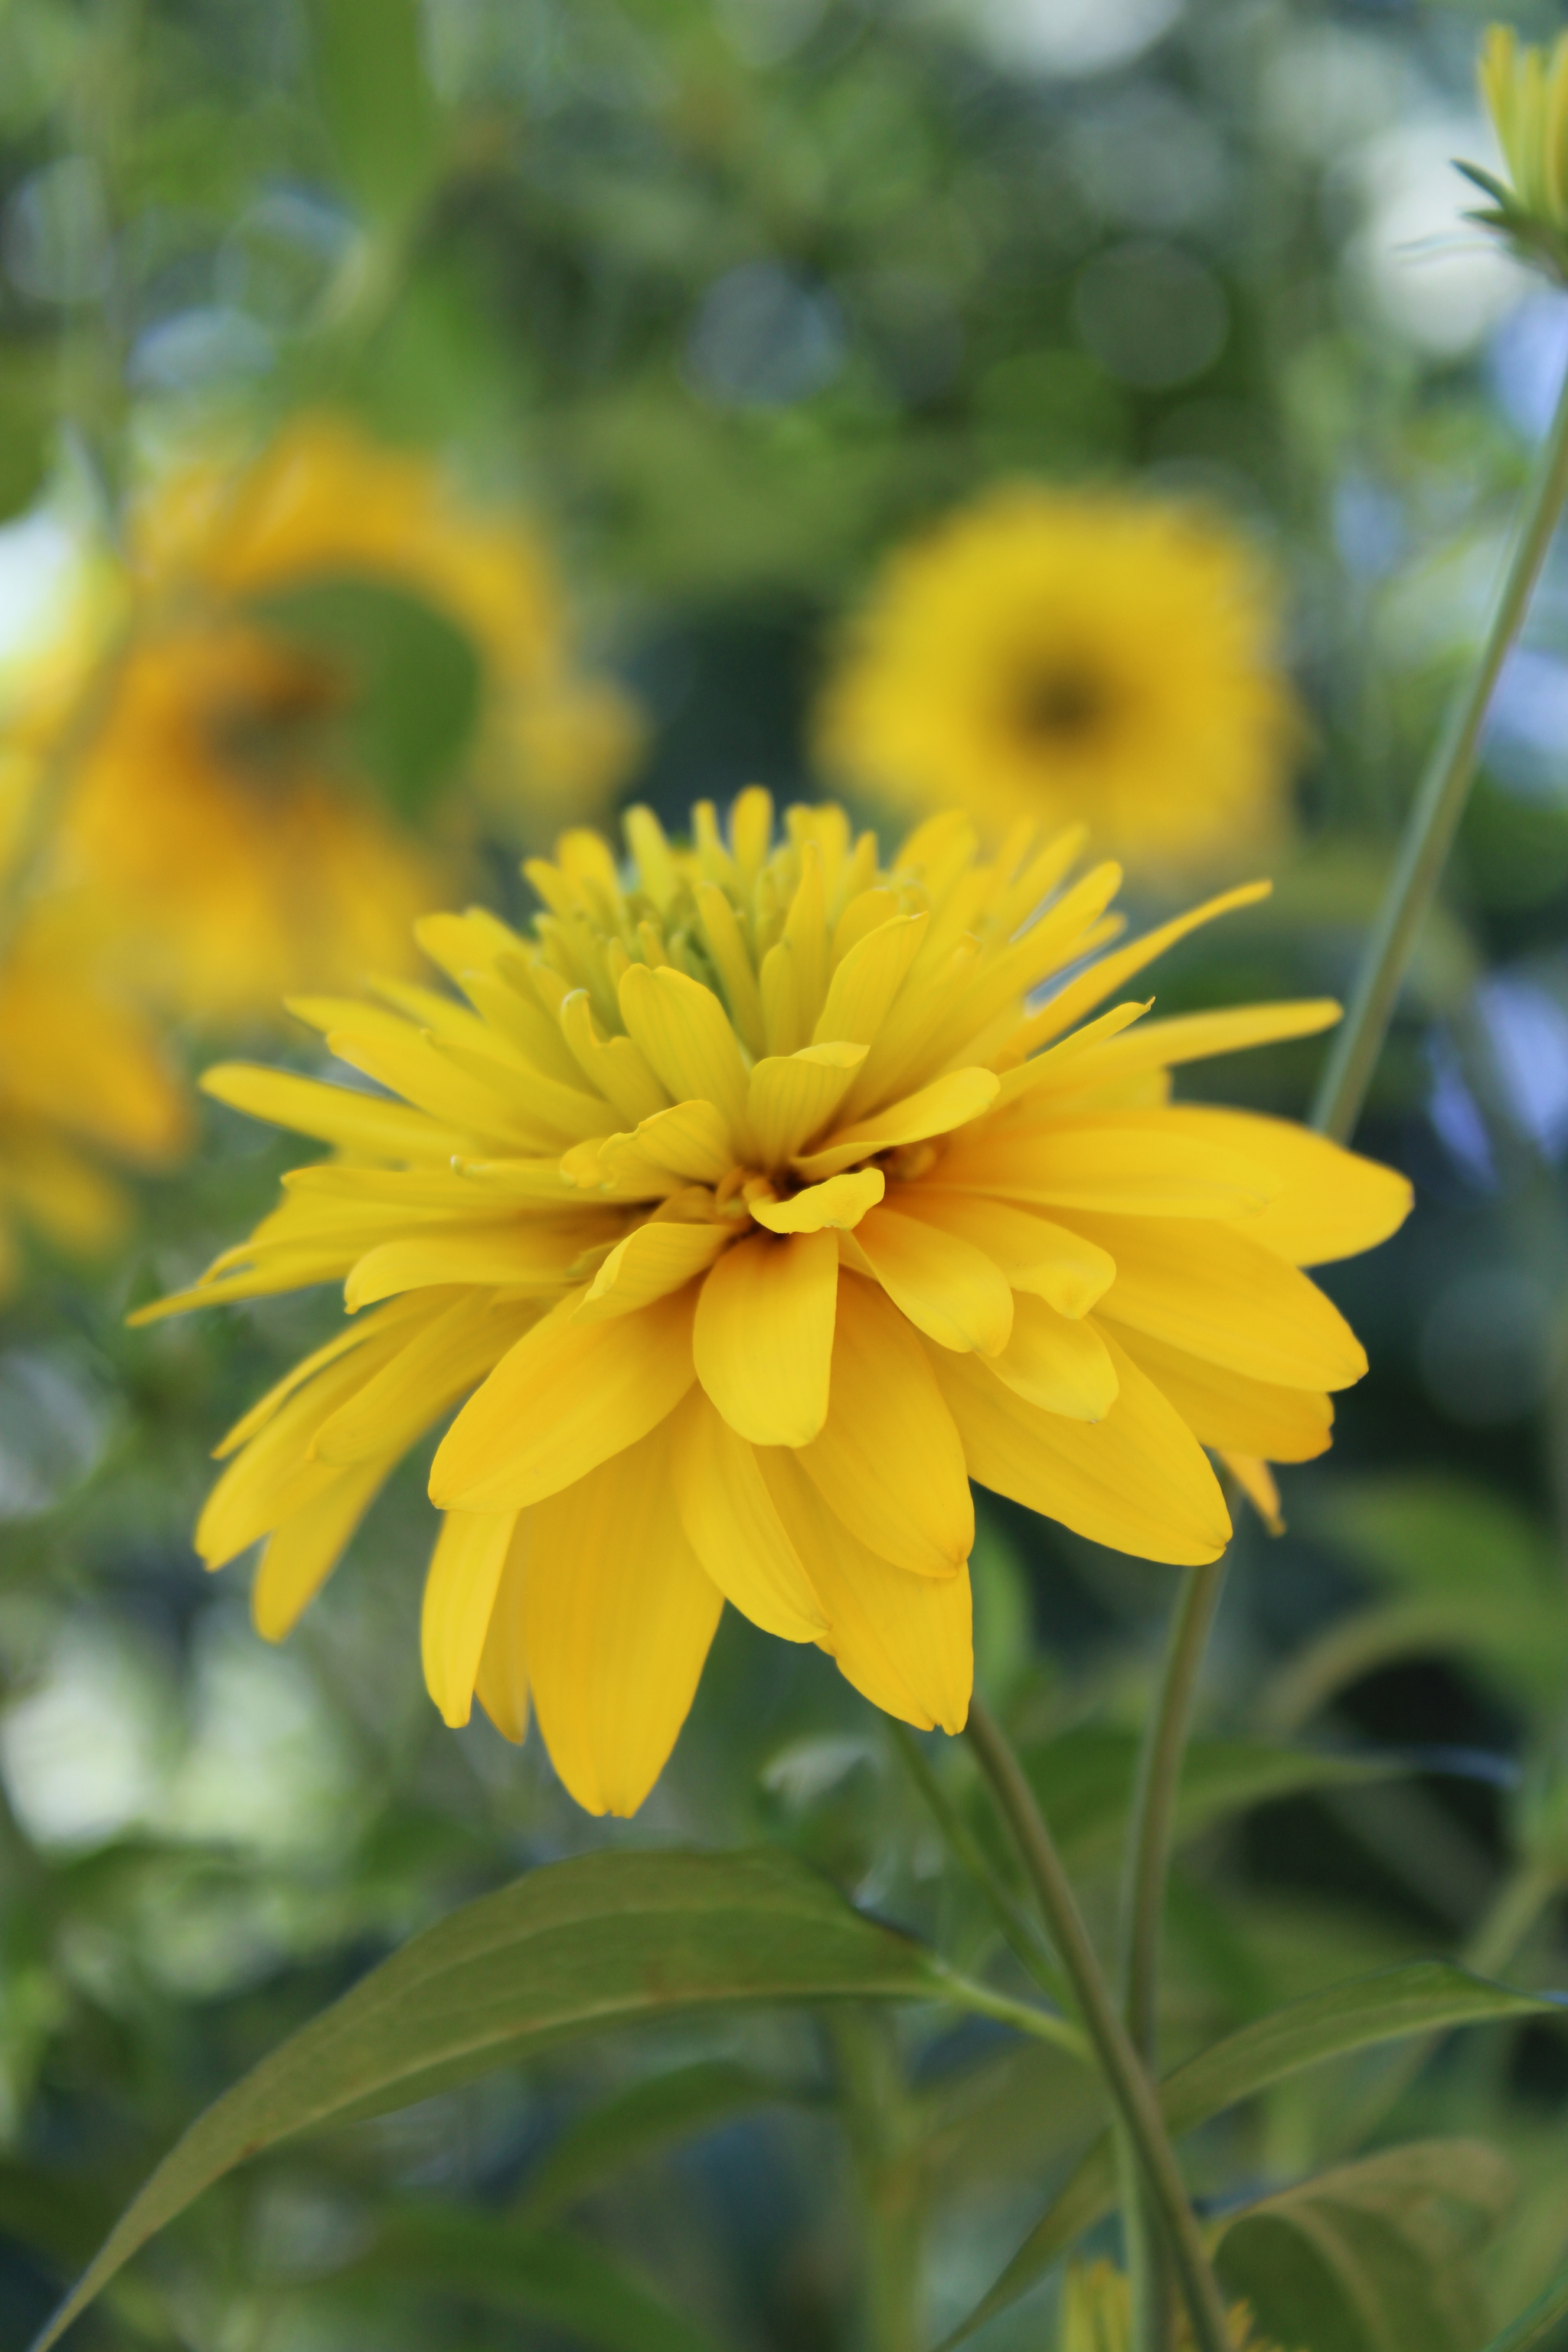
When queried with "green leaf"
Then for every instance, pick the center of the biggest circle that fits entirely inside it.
(668, 2106)
(545, 2275)
(28, 385)
(1533, 2326)
(1454, 1543)
(608, 1940)
(1375, 2256)
(376, 99)
(1084, 1784)
(414, 680)
(1420, 1997)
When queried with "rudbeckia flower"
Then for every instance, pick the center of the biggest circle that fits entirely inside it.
(235, 840)
(1525, 91)
(81, 1080)
(748, 1208)
(1067, 657)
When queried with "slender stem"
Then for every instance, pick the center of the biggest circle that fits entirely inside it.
(1150, 1829)
(1131, 2091)
(968, 1853)
(1438, 806)
(1027, 2016)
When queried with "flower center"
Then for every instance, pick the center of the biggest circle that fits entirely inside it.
(1060, 704)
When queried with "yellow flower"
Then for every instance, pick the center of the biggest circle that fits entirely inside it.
(80, 1076)
(1073, 655)
(1097, 2315)
(1525, 91)
(235, 852)
(754, 1214)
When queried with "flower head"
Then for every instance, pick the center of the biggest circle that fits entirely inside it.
(1063, 655)
(1525, 91)
(222, 811)
(753, 1212)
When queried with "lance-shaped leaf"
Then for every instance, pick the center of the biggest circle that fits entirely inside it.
(1533, 2327)
(609, 1939)
(1375, 2256)
(1421, 1997)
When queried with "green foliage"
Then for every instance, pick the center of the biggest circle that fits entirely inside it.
(1427, 1996)
(1377, 2256)
(668, 2106)
(609, 1939)
(380, 113)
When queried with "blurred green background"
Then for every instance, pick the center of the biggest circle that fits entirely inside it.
(730, 296)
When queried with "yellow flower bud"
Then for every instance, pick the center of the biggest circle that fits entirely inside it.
(1525, 91)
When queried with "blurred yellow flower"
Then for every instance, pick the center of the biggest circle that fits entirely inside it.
(753, 1213)
(1060, 656)
(81, 1078)
(237, 849)
(1525, 91)
(1097, 2315)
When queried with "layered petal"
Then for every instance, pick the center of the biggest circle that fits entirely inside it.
(763, 1339)
(733, 1527)
(459, 1595)
(949, 1289)
(566, 1397)
(888, 1460)
(617, 1616)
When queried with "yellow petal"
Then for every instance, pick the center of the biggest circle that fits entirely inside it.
(432, 1366)
(867, 980)
(945, 1104)
(1131, 1163)
(566, 1397)
(535, 1256)
(1093, 986)
(459, 1593)
(1062, 1365)
(613, 1065)
(1047, 1260)
(652, 1261)
(946, 1286)
(1214, 1291)
(685, 1036)
(273, 1476)
(793, 1095)
(1257, 1483)
(763, 1336)
(1329, 1204)
(1138, 1480)
(500, 1685)
(1228, 1413)
(837, 1205)
(1197, 1036)
(617, 1619)
(692, 1139)
(733, 1527)
(904, 1642)
(887, 1461)
(308, 1545)
(403, 1312)
(345, 1115)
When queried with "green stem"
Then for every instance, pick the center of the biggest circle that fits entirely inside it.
(877, 2111)
(1150, 1831)
(967, 1852)
(1438, 806)
(1131, 2090)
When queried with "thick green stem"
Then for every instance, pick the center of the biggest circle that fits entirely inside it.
(1438, 806)
(1150, 1829)
(1131, 2091)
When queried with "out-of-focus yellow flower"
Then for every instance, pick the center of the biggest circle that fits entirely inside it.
(81, 1079)
(754, 1214)
(1062, 655)
(235, 852)
(1097, 2315)
(1525, 91)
